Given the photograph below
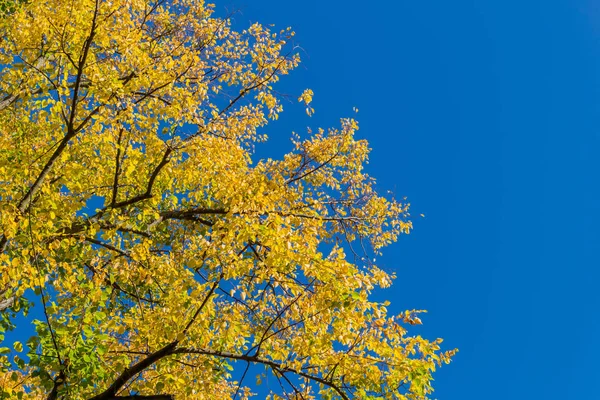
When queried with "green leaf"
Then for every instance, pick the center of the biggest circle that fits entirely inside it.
(18, 346)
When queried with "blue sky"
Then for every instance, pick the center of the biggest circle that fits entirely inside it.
(486, 114)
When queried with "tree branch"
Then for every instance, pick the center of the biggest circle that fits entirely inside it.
(148, 194)
(80, 67)
(259, 360)
(135, 369)
(142, 397)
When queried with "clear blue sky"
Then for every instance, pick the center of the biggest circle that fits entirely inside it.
(486, 114)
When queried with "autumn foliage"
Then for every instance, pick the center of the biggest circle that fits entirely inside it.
(153, 256)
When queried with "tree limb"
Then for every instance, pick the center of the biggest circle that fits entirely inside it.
(135, 369)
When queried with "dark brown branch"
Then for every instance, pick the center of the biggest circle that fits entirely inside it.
(142, 397)
(152, 96)
(58, 382)
(307, 173)
(119, 288)
(88, 118)
(148, 194)
(117, 169)
(241, 380)
(107, 246)
(154, 357)
(147, 14)
(80, 67)
(199, 310)
(150, 92)
(277, 317)
(258, 360)
(11, 98)
(171, 349)
(193, 214)
(294, 388)
(135, 369)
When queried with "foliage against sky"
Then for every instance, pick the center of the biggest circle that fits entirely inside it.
(195, 261)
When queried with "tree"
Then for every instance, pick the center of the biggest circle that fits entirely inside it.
(162, 261)
(9, 6)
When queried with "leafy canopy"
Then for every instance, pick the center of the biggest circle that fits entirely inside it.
(162, 260)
